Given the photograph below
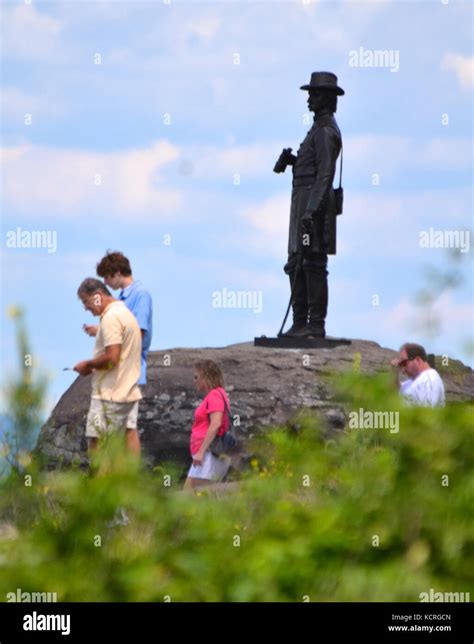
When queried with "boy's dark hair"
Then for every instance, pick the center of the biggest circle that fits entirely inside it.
(414, 351)
(113, 262)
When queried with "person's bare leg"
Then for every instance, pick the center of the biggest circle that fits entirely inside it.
(92, 444)
(188, 484)
(133, 440)
(192, 483)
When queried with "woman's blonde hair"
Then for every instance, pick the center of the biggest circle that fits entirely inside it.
(210, 372)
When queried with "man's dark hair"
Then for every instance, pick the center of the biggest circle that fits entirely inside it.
(113, 262)
(91, 285)
(414, 351)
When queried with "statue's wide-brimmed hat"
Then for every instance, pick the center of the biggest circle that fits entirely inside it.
(324, 80)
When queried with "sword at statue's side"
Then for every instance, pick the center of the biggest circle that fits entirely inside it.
(305, 242)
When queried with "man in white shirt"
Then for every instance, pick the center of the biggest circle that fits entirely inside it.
(424, 387)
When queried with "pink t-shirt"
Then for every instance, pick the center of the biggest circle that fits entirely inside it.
(211, 403)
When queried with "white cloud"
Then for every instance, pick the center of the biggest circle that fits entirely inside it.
(29, 34)
(417, 208)
(271, 215)
(253, 160)
(389, 224)
(77, 14)
(63, 270)
(391, 153)
(463, 66)
(448, 153)
(236, 277)
(39, 178)
(444, 329)
(269, 221)
(197, 39)
(205, 28)
(15, 103)
(406, 316)
(376, 154)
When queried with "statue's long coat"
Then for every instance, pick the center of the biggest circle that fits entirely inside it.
(313, 174)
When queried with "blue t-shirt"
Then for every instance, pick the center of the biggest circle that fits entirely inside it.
(138, 300)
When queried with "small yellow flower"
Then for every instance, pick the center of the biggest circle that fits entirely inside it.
(24, 458)
(14, 312)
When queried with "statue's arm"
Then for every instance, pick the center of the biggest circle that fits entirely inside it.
(327, 147)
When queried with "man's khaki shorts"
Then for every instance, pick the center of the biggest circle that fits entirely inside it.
(105, 417)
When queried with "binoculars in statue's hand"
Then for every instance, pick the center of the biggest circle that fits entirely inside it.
(285, 158)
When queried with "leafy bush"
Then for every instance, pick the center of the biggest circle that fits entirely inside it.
(303, 523)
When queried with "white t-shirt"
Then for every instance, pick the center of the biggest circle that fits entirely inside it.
(426, 390)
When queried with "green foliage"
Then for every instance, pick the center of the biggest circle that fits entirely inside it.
(303, 521)
(25, 397)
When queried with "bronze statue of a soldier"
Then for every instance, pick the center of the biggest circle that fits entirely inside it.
(312, 235)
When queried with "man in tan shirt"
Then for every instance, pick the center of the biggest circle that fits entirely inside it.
(115, 366)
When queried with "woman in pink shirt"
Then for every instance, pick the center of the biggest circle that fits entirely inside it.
(210, 419)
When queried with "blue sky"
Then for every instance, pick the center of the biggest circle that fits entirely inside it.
(181, 123)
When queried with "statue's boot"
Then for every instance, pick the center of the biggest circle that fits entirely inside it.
(317, 293)
(299, 304)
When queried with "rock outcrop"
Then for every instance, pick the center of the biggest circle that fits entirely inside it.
(266, 387)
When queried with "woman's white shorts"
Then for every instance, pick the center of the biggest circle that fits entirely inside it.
(212, 468)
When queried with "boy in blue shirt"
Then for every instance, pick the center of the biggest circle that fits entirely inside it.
(116, 272)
